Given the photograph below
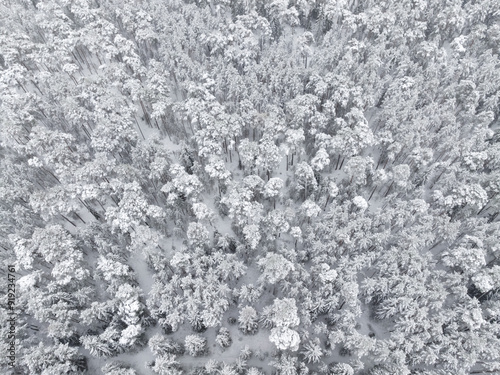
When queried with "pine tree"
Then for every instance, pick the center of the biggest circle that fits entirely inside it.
(223, 338)
(196, 345)
(248, 320)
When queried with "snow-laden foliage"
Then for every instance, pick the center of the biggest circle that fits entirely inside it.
(250, 187)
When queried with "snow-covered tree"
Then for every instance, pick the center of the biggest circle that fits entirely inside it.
(223, 338)
(275, 267)
(195, 345)
(248, 321)
(285, 338)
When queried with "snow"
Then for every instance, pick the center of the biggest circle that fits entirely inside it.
(368, 172)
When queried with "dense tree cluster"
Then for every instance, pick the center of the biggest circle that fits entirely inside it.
(282, 187)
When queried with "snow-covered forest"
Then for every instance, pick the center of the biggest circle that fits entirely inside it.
(231, 187)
